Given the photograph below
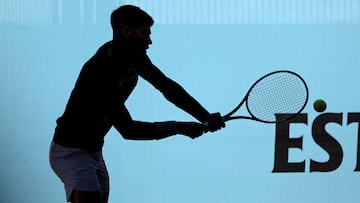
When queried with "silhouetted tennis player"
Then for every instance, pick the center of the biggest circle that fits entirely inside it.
(97, 103)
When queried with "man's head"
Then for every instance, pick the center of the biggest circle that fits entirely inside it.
(131, 25)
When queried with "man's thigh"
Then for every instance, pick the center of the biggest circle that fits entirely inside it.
(86, 197)
(80, 171)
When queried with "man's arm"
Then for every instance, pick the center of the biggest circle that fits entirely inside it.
(137, 130)
(172, 91)
(178, 95)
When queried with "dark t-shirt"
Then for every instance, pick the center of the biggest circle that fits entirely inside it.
(97, 101)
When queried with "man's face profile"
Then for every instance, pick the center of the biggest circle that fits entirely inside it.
(138, 37)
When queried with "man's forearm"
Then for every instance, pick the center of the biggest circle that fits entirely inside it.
(182, 99)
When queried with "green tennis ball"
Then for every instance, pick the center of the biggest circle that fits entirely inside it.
(320, 105)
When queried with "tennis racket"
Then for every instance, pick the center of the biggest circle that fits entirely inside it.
(280, 92)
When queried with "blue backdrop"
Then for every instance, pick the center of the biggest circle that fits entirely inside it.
(224, 45)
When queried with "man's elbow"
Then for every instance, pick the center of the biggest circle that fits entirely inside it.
(127, 135)
(134, 136)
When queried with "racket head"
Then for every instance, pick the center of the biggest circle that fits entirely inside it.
(279, 92)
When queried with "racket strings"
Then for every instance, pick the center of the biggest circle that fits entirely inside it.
(278, 93)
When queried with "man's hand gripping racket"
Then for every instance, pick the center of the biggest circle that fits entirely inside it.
(280, 92)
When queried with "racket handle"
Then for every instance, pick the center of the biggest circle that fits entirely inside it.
(206, 124)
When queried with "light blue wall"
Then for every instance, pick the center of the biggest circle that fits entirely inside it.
(222, 45)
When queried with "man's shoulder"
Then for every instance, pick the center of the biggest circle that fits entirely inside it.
(101, 55)
(105, 48)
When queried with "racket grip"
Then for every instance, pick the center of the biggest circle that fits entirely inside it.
(206, 124)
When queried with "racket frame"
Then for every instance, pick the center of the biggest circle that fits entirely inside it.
(229, 116)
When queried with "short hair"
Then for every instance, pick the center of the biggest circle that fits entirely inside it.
(131, 16)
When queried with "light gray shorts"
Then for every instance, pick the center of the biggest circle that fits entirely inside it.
(79, 169)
